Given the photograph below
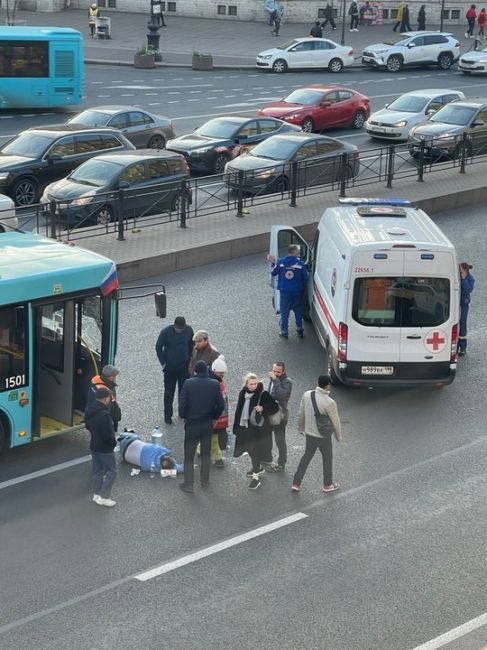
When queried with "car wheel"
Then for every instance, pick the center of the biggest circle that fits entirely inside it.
(394, 63)
(462, 147)
(156, 142)
(308, 125)
(104, 216)
(331, 371)
(445, 61)
(335, 65)
(24, 192)
(358, 120)
(279, 65)
(219, 164)
(281, 184)
(3, 438)
(176, 204)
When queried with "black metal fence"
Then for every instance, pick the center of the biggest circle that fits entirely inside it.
(238, 190)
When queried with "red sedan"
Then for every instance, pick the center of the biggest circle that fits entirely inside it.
(318, 107)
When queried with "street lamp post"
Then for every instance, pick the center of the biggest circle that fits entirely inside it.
(442, 12)
(342, 42)
(153, 27)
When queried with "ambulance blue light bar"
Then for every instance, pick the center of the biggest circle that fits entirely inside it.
(358, 201)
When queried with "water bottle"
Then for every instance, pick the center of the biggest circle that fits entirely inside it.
(156, 436)
(152, 470)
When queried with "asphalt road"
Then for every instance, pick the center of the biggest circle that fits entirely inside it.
(394, 559)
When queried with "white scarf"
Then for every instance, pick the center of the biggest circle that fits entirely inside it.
(245, 415)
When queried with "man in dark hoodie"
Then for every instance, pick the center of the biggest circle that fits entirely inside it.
(200, 403)
(107, 379)
(99, 423)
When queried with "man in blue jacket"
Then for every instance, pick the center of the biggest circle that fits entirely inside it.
(292, 278)
(145, 455)
(173, 348)
(200, 403)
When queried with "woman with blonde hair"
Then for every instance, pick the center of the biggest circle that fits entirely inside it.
(251, 427)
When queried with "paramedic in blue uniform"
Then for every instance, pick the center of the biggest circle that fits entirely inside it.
(467, 284)
(292, 278)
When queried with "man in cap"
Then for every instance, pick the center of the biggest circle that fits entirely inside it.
(107, 380)
(100, 425)
(200, 403)
(174, 346)
(202, 351)
(93, 14)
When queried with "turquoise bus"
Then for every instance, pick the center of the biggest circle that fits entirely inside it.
(41, 67)
(58, 327)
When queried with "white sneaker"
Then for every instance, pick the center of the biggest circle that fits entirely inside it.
(109, 503)
(355, 30)
(96, 497)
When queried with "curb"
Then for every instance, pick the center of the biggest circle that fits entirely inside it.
(221, 66)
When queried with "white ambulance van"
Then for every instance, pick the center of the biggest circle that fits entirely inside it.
(383, 295)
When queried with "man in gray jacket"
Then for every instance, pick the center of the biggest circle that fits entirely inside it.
(280, 388)
(308, 426)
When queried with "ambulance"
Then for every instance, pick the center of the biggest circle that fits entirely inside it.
(383, 293)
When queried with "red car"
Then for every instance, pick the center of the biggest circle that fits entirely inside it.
(318, 107)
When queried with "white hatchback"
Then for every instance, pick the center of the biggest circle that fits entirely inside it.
(8, 219)
(302, 53)
(395, 120)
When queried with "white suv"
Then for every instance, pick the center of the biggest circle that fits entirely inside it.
(413, 49)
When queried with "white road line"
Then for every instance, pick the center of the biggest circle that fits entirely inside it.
(154, 104)
(151, 94)
(454, 634)
(44, 472)
(103, 95)
(127, 95)
(216, 548)
(174, 92)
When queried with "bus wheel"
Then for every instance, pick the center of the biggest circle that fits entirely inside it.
(3, 438)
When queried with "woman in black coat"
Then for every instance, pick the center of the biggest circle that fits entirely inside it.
(250, 438)
(421, 19)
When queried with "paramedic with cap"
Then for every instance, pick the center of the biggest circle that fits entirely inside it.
(202, 351)
(106, 379)
(292, 278)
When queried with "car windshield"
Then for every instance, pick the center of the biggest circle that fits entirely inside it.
(275, 149)
(219, 128)
(96, 172)
(396, 40)
(408, 104)
(458, 115)
(287, 45)
(28, 144)
(91, 118)
(304, 96)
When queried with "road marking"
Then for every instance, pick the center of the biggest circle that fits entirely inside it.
(151, 94)
(454, 634)
(154, 104)
(44, 472)
(127, 95)
(217, 548)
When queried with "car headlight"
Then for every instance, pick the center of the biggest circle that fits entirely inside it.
(83, 200)
(446, 136)
(4, 176)
(264, 173)
(401, 123)
(293, 116)
(202, 150)
(264, 56)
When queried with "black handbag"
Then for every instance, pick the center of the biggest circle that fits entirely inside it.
(323, 422)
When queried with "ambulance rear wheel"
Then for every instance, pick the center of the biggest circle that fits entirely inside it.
(331, 371)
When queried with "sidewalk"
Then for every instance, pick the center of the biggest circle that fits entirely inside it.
(233, 44)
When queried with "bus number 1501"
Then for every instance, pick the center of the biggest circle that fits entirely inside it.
(15, 382)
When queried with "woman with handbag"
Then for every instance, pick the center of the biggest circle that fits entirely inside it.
(251, 426)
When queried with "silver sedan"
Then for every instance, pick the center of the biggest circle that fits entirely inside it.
(143, 129)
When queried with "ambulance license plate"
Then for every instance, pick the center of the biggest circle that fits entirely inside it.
(377, 370)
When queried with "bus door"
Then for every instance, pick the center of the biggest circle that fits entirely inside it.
(63, 63)
(54, 324)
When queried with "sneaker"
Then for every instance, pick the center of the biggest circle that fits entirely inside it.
(462, 353)
(466, 35)
(295, 487)
(109, 503)
(96, 497)
(168, 420)
(351, 30)
(331, 488)
(334, 29)
(300, 334)
(250, 473)
(254, 484)
(283, 335)
(219, 463)
(186, 488)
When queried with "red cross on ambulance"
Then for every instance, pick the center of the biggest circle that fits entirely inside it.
(435, 341)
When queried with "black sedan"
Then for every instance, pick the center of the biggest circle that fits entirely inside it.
(212, 145)
(269, 166)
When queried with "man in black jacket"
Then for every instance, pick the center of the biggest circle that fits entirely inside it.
(328, 13)
(316, 30)
(100, 425)
(174, 347)
(200, 403)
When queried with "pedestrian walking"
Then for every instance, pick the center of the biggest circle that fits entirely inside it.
(93, 14)
(471, 16)
(482, 21)
(202, 351)
(422, 18)
(106, 379)
(405, 26)
(99, 423)
(292, 279)
(200, 403)
(173, 348)
(269, 7)
(280, 388)
(251, 427)
(399, 14)
(353, 13)
(316, 31)
(328, 15)
(318, 420)
(276, 17)
(467, 283)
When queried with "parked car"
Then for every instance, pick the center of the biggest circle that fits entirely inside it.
(443, 133)
(268, 167)
(38, 156)
(142, 128)
(151, 180)
(319, 107)
(217, 141)
(308, 52)
(395, 120)
(413, 49)
(8, 219)
(474, 61)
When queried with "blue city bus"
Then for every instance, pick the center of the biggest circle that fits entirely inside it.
(58, 328)
(41, 67)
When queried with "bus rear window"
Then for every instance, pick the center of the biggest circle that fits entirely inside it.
(13, 358)
(24, 59)
(401, 302)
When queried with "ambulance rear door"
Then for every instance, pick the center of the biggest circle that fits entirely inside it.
(281, 238)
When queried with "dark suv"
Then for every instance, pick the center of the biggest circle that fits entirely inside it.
(38, 156)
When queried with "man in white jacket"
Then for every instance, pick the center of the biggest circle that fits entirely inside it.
(309, 426)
